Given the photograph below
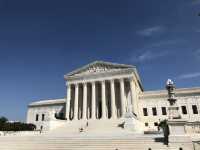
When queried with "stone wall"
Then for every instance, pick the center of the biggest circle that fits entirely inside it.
(158, 99)
(48, 111)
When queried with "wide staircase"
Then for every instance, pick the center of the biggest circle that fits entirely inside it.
(92, 127)
(82, 142)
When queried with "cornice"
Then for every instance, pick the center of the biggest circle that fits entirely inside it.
(116, 65)
(180, 92)
(47, 102)
(118, 69)
(101, 75)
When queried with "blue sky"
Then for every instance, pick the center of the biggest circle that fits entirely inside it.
(40, 41)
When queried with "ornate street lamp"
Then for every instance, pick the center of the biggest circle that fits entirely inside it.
(173, 108)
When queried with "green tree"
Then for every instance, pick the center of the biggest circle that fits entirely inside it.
(15, 126)
(3, 120)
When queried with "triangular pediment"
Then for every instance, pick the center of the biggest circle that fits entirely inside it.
(98, 67)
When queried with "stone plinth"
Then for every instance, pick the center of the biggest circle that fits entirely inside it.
(133, 124)
(176, 127)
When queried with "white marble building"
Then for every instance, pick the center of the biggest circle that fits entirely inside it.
(103, 92)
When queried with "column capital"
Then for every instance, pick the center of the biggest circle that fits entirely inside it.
(76, 84)
(112, 80)
(68, 84)
(130, 79)
(93, 82)
(121, 79)
(103, 81)
(84, 83)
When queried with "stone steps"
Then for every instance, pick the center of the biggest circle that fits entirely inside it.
(83, 143)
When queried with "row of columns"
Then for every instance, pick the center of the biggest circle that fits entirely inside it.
(93, 99)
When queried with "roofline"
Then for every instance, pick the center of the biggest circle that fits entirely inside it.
(47, 102)
(94, 62)
(178, 92)
(108, 63)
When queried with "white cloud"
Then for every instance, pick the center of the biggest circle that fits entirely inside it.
(148, 55)
(197, 53)
(195, 2)
(151, 31)
(189, 75)
(167, 42)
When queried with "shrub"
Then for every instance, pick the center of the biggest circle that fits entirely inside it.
(3, 120)
(15, 126)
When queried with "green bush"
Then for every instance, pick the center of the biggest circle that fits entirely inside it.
(15, 126)
(3, 120)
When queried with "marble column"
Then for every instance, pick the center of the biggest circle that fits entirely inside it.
(76, 102)
(133, 96)
(122, 95)
(93, 101)
(68, 101)
(113, 105)
(84, 101)
(103, 94)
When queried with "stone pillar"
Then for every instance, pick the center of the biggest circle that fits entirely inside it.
(93, 101)
(67, 108)
(122, 96)
(113, 105)
(133, 96)
(76, 102)
(84, 101)
(103, 94)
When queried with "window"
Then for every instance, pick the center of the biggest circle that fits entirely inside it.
(184, 110)
(164, 112)
(37, 117)
(194, 109)
(43, 117)
(145, 112)
(155, 124)
(154, 111)
(146, 124)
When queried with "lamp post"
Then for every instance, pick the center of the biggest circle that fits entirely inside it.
(173, 108)
(177, 136)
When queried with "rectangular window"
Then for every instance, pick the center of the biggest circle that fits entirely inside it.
(154, 111)
(43, 117)
(145, 112)
(194, 109)
(37, 117)
(184, 110)
(155, 124)
(146, 124)
(164, 112)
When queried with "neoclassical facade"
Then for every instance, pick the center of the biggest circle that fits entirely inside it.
(103, 93)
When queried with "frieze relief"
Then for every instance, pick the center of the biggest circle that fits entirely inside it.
(97, 69)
